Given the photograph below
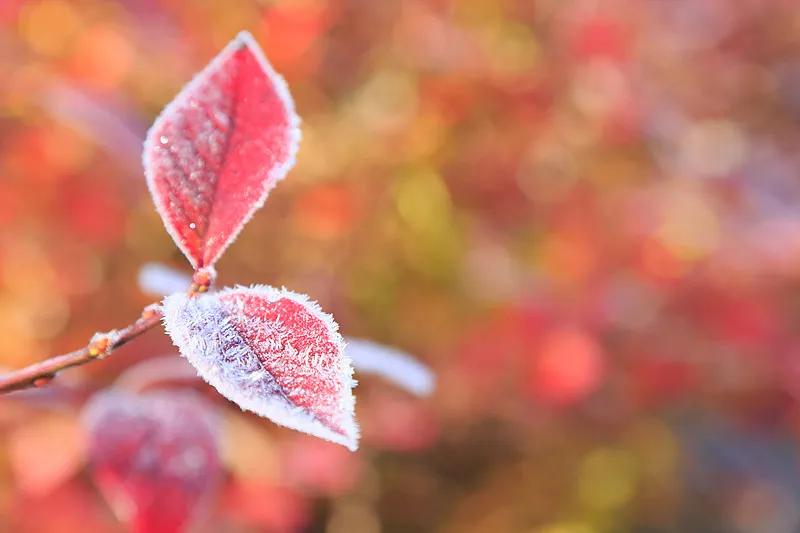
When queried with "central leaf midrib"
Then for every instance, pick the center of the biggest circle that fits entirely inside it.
(225, 150)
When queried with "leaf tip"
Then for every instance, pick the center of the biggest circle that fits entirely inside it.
(187, 151)
(245, 39)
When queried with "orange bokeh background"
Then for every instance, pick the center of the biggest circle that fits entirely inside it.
(585, 216)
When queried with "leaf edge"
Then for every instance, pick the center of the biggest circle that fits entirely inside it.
(243, 39)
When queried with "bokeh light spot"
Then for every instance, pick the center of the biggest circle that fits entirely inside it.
(49, 26)
(423, 200)
(103, 57)
(325, 212)
(713, 148)
(568, 366)
(607, 478)
(512, 49)
(689, 227)
(387, 101)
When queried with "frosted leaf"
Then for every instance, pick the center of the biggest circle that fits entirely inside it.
(159, 280)
(155, 457)
(215, 152)
(272, 352)
(391, 364)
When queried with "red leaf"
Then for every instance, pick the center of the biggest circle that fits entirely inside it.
(272, 352)
(154, 457)
(215, 152)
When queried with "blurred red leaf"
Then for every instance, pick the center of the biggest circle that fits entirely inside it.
(154, 457)
(215, 152)
(272, 352)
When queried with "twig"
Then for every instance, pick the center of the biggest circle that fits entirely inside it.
(102, 344)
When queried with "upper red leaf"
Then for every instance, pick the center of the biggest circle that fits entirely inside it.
(272, 352)
(154, 457)
(215, 152)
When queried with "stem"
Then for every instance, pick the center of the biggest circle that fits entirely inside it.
(101, 345)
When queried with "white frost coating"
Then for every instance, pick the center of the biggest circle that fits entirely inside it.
(276, 174)
(159, 280)
(392, 364)
(201, 328)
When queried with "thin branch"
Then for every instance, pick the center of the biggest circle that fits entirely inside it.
(101, 345)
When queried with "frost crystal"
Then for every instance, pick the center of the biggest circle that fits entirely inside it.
(215, 152)
(272, 352)
(392, 364)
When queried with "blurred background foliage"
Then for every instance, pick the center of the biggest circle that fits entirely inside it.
(584, 215)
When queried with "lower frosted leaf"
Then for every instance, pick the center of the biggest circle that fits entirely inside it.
(155, 457)
(272, 352)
